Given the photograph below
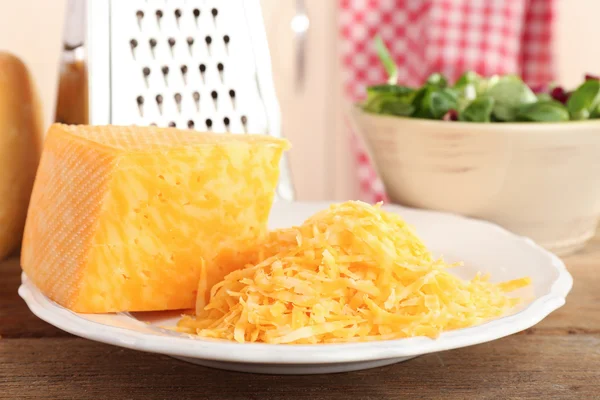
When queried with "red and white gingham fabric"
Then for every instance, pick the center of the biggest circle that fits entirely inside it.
(447, 36)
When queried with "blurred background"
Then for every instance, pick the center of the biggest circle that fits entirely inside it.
(313, 103)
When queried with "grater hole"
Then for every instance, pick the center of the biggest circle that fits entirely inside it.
(190, 40)
(244, 120)
(140, 100)
(165, 70)
(232, 93)
(208, 40)
(226, 121)
(226, 39)
(214, 12)
(196, 96)
(177, 13)
(177, 97)
(196, 12)
(159, 14)
(133, 43)
(146, 71)
(139, 14)
(190, 124)
(208, 123)
(171, 42)
(220, 67)
(214, 94)
(159, 99)
(184, 69)
(152, 42)
(202, 68)
(172, 124)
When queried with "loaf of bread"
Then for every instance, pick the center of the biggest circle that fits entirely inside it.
(20, 144)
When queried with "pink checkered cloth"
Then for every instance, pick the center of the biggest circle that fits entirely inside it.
(446, 36)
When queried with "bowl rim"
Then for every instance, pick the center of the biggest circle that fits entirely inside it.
(546, 127)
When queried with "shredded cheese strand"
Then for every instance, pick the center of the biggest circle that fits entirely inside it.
(350, 273)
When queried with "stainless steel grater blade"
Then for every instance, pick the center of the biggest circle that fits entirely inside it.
(197, 64)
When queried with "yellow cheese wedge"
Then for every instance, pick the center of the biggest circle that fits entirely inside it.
(127, 218)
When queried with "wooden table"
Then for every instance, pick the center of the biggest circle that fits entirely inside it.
(557, 359)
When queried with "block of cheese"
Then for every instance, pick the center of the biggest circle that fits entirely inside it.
(126, 218)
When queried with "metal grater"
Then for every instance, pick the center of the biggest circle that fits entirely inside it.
(197, 64)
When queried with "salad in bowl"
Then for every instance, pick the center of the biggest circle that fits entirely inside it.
(474, 98)
(491, 148)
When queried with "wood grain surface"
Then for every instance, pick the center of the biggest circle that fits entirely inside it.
(557, 359)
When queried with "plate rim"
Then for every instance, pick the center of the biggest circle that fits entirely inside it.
(261, 353)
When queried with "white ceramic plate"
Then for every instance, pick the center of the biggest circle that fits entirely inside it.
(482, 246)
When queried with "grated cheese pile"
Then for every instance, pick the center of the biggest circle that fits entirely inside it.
(350, 273)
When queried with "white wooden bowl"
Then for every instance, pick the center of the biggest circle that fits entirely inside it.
(540, 180)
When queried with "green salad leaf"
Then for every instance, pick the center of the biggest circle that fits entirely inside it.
(595, 113)
(543, 111)
(438, 80)
(479, 110)
(440, 101)
(391, 90)
(544, 96)
(420, 103)
(466, 88)
(510, 93)
(386, 59)
(468, 78)
(390, 100)
(584, 101)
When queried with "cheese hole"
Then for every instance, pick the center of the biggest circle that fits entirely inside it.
(161, 177)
